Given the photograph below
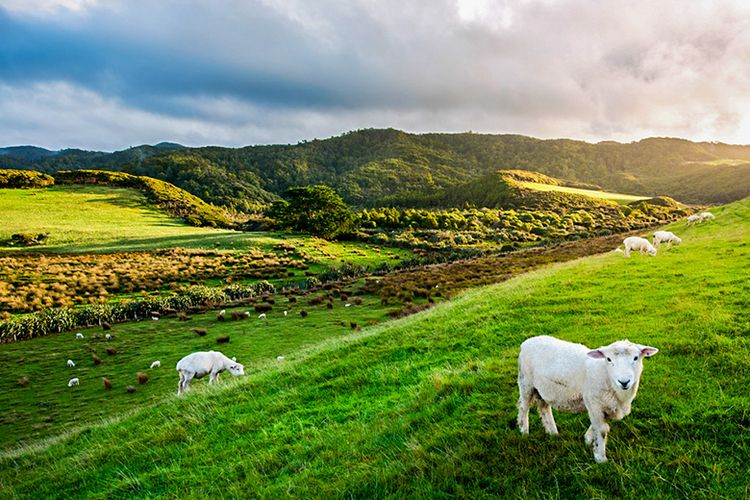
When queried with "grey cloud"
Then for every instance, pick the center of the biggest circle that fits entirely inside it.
(237, 72)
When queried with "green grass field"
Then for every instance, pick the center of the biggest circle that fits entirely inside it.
(422, 407)
(622, 199)
(97, 219)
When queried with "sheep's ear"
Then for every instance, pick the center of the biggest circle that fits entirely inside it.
(596, 354)
(647, 351)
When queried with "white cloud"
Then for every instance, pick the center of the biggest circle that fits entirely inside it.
(286, 70)
(46, 7)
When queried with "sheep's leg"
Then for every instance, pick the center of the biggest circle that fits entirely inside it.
(597, 434)
(524, 402)
(545, 411)
(627, 251)
(179, 384)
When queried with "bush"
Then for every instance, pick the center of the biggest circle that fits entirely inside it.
(15, 179)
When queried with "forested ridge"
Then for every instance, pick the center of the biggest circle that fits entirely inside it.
(387, 167)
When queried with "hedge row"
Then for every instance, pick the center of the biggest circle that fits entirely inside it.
(61, 319)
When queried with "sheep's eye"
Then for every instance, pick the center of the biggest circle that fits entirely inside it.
(609, 360)
(635, 358)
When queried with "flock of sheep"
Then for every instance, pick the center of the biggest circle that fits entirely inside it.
(571, 377)
(194, 365)
(551, 373)
(141, 377)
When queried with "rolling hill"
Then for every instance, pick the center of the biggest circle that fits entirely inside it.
(422, 407)
(390, 167)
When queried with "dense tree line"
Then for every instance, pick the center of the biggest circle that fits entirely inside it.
(393, 168)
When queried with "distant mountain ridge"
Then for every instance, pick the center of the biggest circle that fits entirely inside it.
(381, 167)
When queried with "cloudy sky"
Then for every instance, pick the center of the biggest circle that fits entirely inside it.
(108, 74)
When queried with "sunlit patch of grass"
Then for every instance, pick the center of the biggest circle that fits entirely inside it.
(617, 197)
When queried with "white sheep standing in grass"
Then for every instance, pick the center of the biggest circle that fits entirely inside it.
(571, 377)
(706, 216)
(262, 316)
(156, 364)
(79, 336)
(640, 244)
(666, 237)
(108, 336)
(73, 381)
(200, 364)
(694, 219)
(71, 364)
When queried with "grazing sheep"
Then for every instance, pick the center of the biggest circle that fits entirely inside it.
(285, 313)
(111, 351)
(279, 358)
(224, 339)
(571, 377)
(156, 364)
(199, 364)
(141, 377)
(107, 383)
(666, 237)
(79, 336)
(130, 389)
(106, 326)
(71, 364)
(201, 332)
(262, 316)
(96, 359)
(303, 313)
(24, 381)
(694, 219)
(154, 318)
(706, 216)
(640, 244)
(108, 336)
(347, 305)
(73, 381)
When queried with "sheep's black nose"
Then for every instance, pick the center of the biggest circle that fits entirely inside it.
(624, 383)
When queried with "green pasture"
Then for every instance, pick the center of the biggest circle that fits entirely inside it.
(97, 219)
(421, 407)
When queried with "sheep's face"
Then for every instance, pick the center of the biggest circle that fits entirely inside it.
(677, 240)
(652, 251)
(236, 369)
(624, 362)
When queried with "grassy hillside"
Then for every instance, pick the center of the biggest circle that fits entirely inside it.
(85, 219)
(390, 167)
(620, 198)
(421, 407)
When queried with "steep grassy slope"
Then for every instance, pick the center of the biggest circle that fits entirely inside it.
(422, 407)
(376, 167)
(86, 219)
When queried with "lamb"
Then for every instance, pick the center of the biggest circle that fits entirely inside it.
(199, 364)
(571, 377)
(156, 364)
(79, 336)
(640, 244)
(706, 216)
(71, 364)
(73, 381)
(666, 237)
(694, 219)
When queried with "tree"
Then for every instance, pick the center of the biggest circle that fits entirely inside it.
(313, 209)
